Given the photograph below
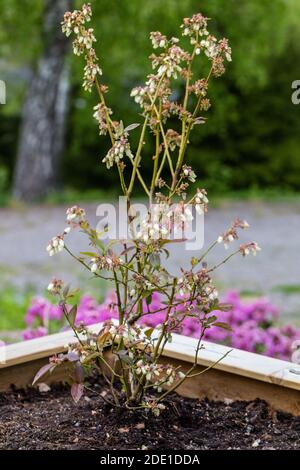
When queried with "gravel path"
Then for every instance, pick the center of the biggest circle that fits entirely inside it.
(24, 234)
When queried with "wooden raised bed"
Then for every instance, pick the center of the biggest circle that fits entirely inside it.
(239, 376)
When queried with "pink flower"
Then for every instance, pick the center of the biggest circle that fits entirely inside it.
(252, 323)
(34, 333)
(89, 312)
(41, 311)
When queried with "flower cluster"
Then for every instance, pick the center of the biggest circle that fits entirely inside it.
(249, 248)
(161, 375)
(188, 172)
(55, 286)
(199, 87)
(152, 228)
(232, 233)
(154, 86)
(74, 22)
(169, 63)
(194, 26)
(162, 220)
(158, 40)
(76, 216)
(201, 201)
(106, 263)
(56, 245)
(173, 139)
(100, 114)
(200, 284)
(132, 337)
(120, 148)
(216, 51)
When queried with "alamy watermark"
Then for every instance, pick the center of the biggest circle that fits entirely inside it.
(2, 92)
(175, 222)
(296, 95)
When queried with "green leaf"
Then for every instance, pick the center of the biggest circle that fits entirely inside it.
(211, 320)
(149, 332)
(100, 244)
(123, 356)
(131, 127)
(149, 299)
(146, 294)
(88, 253)
(91, 357)
(154, 260)
(66, 291)
(223, 325)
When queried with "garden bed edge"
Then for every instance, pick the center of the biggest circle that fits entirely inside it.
(240, 375)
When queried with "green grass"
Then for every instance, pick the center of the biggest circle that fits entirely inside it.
(251, 293)
(13, 306)
(288, 289)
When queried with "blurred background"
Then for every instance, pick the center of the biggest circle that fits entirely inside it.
(247, 155)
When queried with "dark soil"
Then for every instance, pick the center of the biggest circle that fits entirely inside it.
(34, 420)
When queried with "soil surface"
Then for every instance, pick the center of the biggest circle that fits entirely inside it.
(34, 420)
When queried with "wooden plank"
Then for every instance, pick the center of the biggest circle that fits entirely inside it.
(240, 375)
(21, 375)
(46, 346)
(217, 385)
(243, 363)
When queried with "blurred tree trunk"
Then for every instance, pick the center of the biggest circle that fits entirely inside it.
(41, 139)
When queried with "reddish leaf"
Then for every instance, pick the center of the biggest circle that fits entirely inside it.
(79, 372)
(225, 307)
(77, 392)
(72, 315)
(72, 356)
(42, 372)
